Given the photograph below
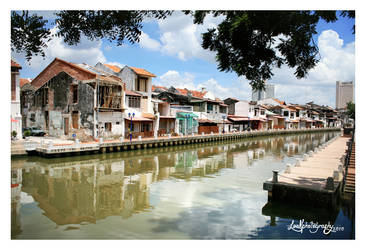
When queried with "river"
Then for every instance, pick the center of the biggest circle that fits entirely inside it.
(201, 191)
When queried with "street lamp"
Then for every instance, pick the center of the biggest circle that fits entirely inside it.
(131, 116)
(223, 124)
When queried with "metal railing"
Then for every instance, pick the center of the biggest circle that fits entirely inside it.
(348, 158)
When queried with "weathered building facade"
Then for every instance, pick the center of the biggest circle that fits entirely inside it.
(77, 101)
(141, 117)
(26, 98)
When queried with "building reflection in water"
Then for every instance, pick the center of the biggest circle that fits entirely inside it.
(91, 188)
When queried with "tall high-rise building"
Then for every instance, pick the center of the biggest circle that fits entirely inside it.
(264, 94)
(344, 94)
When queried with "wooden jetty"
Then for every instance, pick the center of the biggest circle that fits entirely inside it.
(315, 180)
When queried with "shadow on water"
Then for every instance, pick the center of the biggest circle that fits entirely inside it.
(315, 222)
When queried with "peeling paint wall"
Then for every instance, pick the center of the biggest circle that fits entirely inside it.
(117, 124)
(60, 105)
(129, 77)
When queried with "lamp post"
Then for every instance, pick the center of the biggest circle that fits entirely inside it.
(223, 124)
(131, 116)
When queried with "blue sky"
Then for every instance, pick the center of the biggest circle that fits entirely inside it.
(171, 50)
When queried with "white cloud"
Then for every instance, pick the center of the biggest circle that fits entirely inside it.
(337, 63)
(176, 79)
(148, 43)
(181, 38)
(239, 89)
(86, 51)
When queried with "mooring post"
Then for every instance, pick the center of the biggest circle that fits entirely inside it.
(275, 176)
(330, 183)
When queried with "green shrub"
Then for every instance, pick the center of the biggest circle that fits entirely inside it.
(14, 133)
(27, 133)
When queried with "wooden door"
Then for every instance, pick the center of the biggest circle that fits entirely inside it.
(75, 119)
(66, 125)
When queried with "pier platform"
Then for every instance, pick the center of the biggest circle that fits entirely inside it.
(314, 180)
(50, 149)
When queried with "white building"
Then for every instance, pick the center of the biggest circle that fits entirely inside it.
(269, 92)
(16, 117)
(344, 94)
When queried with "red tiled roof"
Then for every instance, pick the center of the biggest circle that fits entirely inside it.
(153, 87)
(23, 81)
(15, 65)
(206, 121)
(129, 92)
(280, 102)
(113, 67)
(195, 93)
(142, 72)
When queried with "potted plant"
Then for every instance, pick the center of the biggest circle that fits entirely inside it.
(27, 133)
(14, 134)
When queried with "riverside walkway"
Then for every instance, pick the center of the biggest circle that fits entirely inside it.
(51, 149)
(314, 180)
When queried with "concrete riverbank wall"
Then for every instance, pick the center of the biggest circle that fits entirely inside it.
(56, 150)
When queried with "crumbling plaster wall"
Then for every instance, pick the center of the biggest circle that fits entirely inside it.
(60, 106)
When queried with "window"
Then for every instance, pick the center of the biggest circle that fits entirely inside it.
(145, 127)
(74, 90)
(263, 112)
(33, 117)
(141, 84)
(134, 101)
(222, 109)
(108, 126)
(209, 107)
(297, 113)
(285, 113)
(13, 87)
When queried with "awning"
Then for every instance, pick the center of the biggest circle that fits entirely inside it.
(238, 119)
(14, 120)
(139, 119)
(186, 115)
(167, 117)
(206, 121)
(131, 93)
(279, 117)
(148, 115)
(296, 121)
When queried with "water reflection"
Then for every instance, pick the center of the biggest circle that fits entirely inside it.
(87, 189)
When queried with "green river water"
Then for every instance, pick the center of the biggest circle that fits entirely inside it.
(202, 191)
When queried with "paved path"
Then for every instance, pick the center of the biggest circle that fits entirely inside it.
(314, 172)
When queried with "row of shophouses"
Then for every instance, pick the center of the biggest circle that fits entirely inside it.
(104, 101)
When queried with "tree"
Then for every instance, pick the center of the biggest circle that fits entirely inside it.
(351, 110)
(29, 33)
(252, 43)
(249, 43)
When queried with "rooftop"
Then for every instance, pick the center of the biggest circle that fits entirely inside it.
(142, 72)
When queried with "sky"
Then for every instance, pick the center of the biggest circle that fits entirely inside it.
(171, 49)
